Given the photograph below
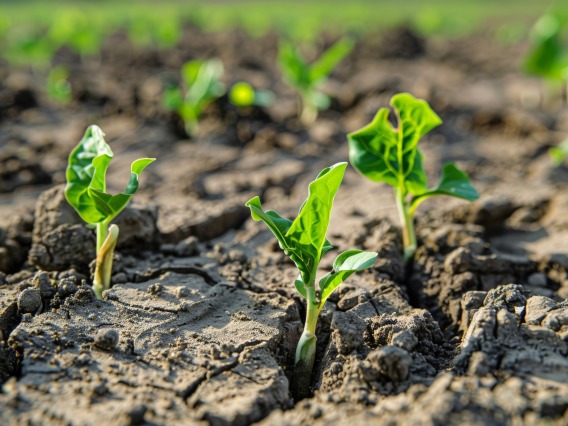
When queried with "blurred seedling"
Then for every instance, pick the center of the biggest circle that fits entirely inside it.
(86, 193)
(201, 86)
(304, 241)
(559, 153)
(307, 79)
(548, 56)
(57, 85)
(384, 153)
(243, 95)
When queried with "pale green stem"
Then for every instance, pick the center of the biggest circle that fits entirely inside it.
(309, 111)
(306, 349)
(103, 268)
(407, 223)
(102, 232)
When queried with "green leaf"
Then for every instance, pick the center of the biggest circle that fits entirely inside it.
(203, 85)
(86, 179)
(203, 78)
(453, 182)
(294, 68)
(387, 154)
(329, 59)
(303, 239)
(345, 264)
(310, 226)
(548, 56)
(172, 98)
(277, 224)
(279, 227)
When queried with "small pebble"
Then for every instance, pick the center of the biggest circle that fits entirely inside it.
(188, 247)
(29, 301)
(106, 339)
(42, 282)
(67, 286)
(182, 292)
(155, 289)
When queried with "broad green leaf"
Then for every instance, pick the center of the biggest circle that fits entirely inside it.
(86, 179)
(277, 224)
(279, 227)
(453, 182)
(344, 265)
(308, 230)
(387, 154)
(329, 59)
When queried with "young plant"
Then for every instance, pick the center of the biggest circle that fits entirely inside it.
(86, 193)
(548, 57)
(57, 85)
(387, 154)
(304, 241)
(202, 86)
(559, 153)
(243, 95)
(308, 78)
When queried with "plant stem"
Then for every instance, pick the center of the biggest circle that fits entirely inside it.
(102, 232)
(309, 110)
(103, 268)
(407, 222)
(306, 349)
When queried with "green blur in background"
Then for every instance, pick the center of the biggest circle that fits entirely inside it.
(32, 31)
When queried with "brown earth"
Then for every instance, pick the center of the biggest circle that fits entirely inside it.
(202, 322)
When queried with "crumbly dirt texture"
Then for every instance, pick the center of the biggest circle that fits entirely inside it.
(203, 319)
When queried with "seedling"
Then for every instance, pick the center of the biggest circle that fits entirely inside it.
(387, 154)
(202, 86)
(308, 78)
(559, 153)
(57, 86)
(548, 57)
(86, 193)
(243, 95)
(304, 241)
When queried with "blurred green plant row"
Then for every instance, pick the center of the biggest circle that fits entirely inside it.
(31, 31)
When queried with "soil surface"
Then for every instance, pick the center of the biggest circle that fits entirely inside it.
(203, 319)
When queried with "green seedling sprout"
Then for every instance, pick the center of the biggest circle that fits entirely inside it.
(58, 87)
(86, 193)
(548, 57)
(304, 241)
(243, 95)
(202, 86)
(308, 78)
(559, 153)
(387, 154)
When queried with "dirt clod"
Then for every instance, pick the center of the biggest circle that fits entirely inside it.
(106, 339)
(29, 301)
(389, 361)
